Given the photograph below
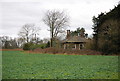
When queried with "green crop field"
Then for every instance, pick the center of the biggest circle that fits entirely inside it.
(21, 65)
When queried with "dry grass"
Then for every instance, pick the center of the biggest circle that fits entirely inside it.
(66, 52)
(10, 49)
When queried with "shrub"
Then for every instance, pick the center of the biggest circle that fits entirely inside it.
(89, 44)
(27, 46)
(35, 46)
(48, 44)
(32, 46)
(66, 51)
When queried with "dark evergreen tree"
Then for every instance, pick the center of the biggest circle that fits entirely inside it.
(106, 31)
(79, 32)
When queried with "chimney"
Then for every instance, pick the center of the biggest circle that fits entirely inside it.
(68, 34)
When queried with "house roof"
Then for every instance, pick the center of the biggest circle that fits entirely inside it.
(76, 39)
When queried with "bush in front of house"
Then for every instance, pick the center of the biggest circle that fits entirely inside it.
(53, 50)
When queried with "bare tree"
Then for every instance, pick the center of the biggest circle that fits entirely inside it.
(45, 40)
(8, 42)
(4, 39)
(28, 32)
(56, 21)
(20, 42)
(0, 42)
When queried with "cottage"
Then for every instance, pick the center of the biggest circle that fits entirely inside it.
(74, 42)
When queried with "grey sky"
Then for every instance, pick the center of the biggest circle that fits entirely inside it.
(14, 14)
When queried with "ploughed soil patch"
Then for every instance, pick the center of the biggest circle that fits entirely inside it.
(11, 49)
(64, 51)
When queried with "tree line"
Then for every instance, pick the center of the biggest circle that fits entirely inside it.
(106, 37)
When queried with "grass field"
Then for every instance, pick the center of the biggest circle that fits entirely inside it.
(21, 65)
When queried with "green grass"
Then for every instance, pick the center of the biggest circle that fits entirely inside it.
(20, 65)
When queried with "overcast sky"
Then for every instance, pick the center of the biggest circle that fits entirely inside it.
(14, 14)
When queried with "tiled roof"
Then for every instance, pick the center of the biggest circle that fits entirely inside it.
(75, 39)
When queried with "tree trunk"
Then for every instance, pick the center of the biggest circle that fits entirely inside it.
(51, 45)
(51, 42)
(27, 39)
